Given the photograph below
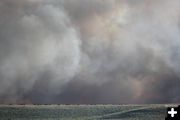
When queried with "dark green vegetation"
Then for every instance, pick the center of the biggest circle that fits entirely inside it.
(82, 112)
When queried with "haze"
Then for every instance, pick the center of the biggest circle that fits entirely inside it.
(89, 51)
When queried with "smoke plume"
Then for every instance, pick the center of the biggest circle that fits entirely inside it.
(89, 51)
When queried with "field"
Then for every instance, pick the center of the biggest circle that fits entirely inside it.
(82, 112)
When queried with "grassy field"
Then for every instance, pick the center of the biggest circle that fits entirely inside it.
(82, 112)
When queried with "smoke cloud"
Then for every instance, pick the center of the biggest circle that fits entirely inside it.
(89, 51)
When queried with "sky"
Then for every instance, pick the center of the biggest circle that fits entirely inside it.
(89, 51)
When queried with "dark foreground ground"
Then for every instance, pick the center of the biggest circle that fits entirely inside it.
(82, 112)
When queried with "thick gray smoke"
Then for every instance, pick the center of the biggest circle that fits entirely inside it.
(89, 51)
